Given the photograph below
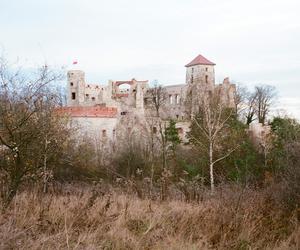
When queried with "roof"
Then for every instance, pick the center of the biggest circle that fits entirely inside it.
(200, 60)
(95, 111)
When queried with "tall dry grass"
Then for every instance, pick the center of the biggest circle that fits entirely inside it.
(88, 219)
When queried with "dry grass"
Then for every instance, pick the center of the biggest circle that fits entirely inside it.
(232, 219)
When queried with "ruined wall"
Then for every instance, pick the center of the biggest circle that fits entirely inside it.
(226, 91)
(174, 107)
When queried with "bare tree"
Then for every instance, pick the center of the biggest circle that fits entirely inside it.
(265, 95)
(158, 96)
(240, 98)
(30, 132)
(209, 128)
(250, 107)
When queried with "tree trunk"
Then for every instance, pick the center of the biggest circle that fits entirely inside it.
(211, 168)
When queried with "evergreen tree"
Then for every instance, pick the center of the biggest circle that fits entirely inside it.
(171, 134)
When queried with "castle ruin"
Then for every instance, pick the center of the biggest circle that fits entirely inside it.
(110, 112)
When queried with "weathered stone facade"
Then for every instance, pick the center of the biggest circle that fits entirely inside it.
(109, 112)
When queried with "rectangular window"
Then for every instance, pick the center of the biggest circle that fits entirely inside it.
(93, 99)
(73, 95)
(177, 99)
(206, 79)
(103, 133)
(171, 99)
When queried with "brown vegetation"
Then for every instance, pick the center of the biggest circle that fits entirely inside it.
(85, 218)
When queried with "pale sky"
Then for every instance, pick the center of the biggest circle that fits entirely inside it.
(252, 42)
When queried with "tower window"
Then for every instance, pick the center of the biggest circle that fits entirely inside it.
(103, 133)
(206, 79)
(71, 83)
(73, 95)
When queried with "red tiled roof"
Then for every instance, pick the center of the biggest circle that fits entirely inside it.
(200, 60)
(95, 111)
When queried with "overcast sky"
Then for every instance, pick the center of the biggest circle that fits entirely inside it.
(252, 42)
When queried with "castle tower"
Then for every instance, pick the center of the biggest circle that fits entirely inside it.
(200, 79)
(200, 71)
(75, 87)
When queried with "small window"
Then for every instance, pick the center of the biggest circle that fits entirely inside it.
(104, 133)
(154, 130)
(73, 95)
(192, 79)
(177, 99)
(177, 116)
(93, 99)
(88, 86)
(123, 113)
(206, 69)
(206, 79)
(192, 70)
(171, 99)
(71, 83)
